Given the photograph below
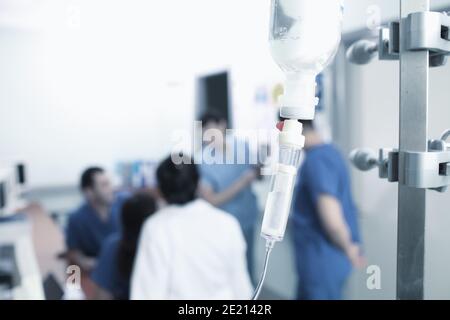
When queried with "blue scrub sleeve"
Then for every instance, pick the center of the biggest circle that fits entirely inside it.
(322, 179)
(207, 178)
(103, 274)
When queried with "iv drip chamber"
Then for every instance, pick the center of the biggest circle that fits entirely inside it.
(279, 200)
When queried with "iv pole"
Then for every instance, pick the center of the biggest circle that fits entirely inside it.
(414, 83)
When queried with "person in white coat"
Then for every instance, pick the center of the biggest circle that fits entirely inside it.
(189, 250)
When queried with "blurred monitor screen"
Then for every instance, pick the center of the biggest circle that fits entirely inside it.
(2, 195)
(214, 95)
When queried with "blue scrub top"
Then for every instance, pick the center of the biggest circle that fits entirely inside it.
(321, 265)
(106, 274)
(219, 177)
(86, 231)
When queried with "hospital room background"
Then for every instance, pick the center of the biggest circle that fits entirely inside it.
(107, 82)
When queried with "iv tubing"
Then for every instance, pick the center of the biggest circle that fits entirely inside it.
(269, 246)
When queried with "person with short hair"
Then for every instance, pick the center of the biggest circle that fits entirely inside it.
(228, 186)
(189, 249)
(95, 220)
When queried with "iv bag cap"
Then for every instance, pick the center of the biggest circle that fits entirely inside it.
(299, 100)
(292, 134)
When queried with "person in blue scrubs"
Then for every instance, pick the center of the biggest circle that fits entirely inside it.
(227, 184)
(94, 220)
(326, 234)
(113, 271)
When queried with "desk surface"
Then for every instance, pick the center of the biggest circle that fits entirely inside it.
(48, 241)
(18, 234)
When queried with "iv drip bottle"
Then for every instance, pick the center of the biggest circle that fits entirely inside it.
(304, 38)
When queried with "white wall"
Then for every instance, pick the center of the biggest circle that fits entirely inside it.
(96, 81)
(373, 97)
(63, 109)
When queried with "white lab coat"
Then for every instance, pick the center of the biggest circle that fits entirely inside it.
(193, 252)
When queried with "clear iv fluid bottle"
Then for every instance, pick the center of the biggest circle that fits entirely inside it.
(304, 38)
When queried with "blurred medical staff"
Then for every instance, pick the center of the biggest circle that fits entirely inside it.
(326, 234)
(228, 185)
(113, 271)
(189, 249)
(94, 220)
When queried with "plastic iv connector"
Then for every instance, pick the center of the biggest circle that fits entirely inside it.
(304, 38)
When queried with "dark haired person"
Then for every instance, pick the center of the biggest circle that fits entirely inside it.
(326, 233)
(228, 185)
(113, 271)
(94, 220)
(189, 249)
